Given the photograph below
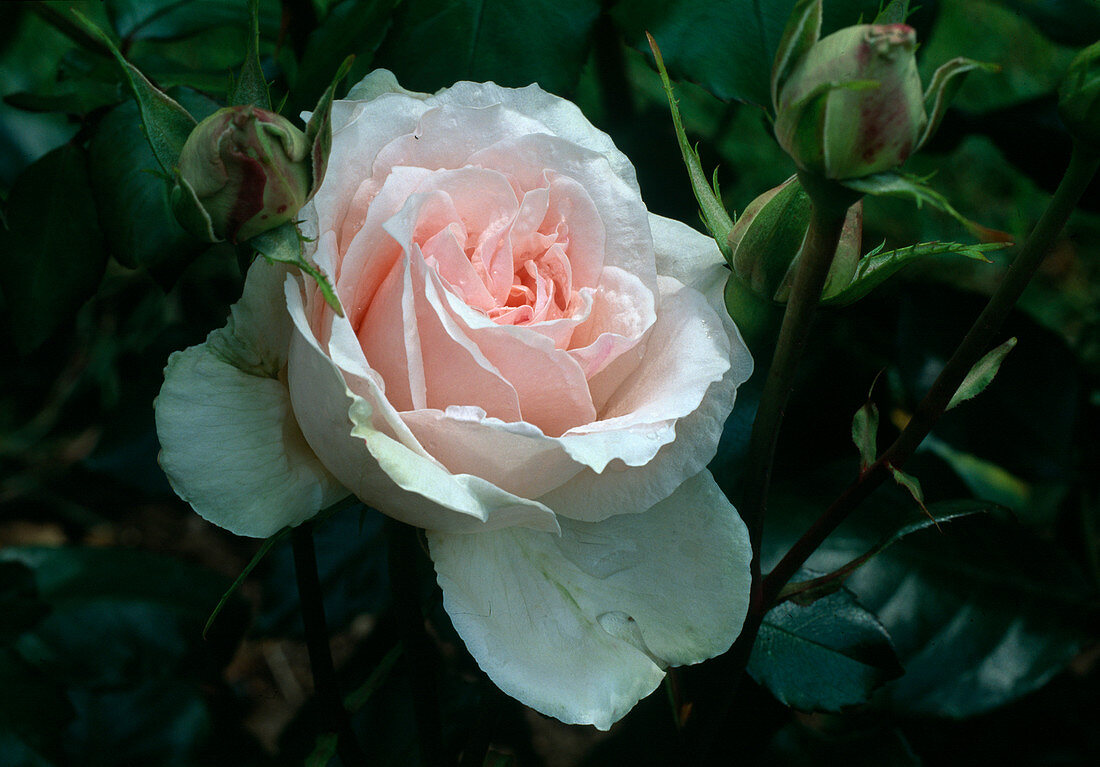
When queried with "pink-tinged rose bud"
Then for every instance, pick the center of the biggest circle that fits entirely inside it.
(853, 105)
(1079, 97)
(249, 171)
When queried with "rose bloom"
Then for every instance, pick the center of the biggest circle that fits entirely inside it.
(529, 366)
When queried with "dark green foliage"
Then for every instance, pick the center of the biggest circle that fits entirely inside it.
(727, 47)
(825, 656)
(133, 200)
(51, 253)
(510, 43)
(113, 672)
(969, 639)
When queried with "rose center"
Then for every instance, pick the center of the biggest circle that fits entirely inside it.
(515, 269)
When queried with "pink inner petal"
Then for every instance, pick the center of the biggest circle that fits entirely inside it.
(485, 286)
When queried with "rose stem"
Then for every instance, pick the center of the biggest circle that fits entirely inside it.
(1083, 164)
(333, 713)
(404, 553)
(830, 204)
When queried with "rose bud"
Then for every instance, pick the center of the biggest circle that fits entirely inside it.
(1079, 96)
(243, 170)
(767, 238)
(853, 104)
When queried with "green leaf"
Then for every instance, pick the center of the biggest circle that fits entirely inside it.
(894, 184)
(715, 216)
(823, 657)
(894, 12)
(510, 43)
(802, 30)
(945, 83)
(137, 221)
(319, 129)
(71, 96)
(981, 375)
(167, 124)
(251, 86)
(987, 30)
(983, 478)
(324, 750)
(352, 27)
(52, 255)
(912, 485)
(756, 317)
(865, 431)
(1068, 22)
(808, 591)
(164, 20)
(128, 669)
(122, 638)
(190, 213)
(284, 244)
(981, 614)
(727, 46)
(879, 265)
(62, 21)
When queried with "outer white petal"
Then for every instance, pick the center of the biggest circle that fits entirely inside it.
(581, 626)
(229, 442)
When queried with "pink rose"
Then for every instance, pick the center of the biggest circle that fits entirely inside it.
(530, 366)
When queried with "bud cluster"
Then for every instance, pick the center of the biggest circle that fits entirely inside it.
(853, 105)
(247, 168)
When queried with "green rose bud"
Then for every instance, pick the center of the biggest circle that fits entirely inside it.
(1079, 97)
(767, 238)
(853, 104)
(243, 170)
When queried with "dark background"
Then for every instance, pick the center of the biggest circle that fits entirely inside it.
(106, 578)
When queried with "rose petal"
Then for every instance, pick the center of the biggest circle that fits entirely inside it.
(623, 311)
(562, 118)
(359, 132)
(529, 159)
(446, 136)
(593, 494)
(581, 626)
(686, 351)
(471, 357)
(385, 472)
(229, 442)
(516, 457)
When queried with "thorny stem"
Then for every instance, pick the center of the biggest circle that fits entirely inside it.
(1083, 165)
(333, 713)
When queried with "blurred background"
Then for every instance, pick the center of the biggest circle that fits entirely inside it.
(106, 578)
